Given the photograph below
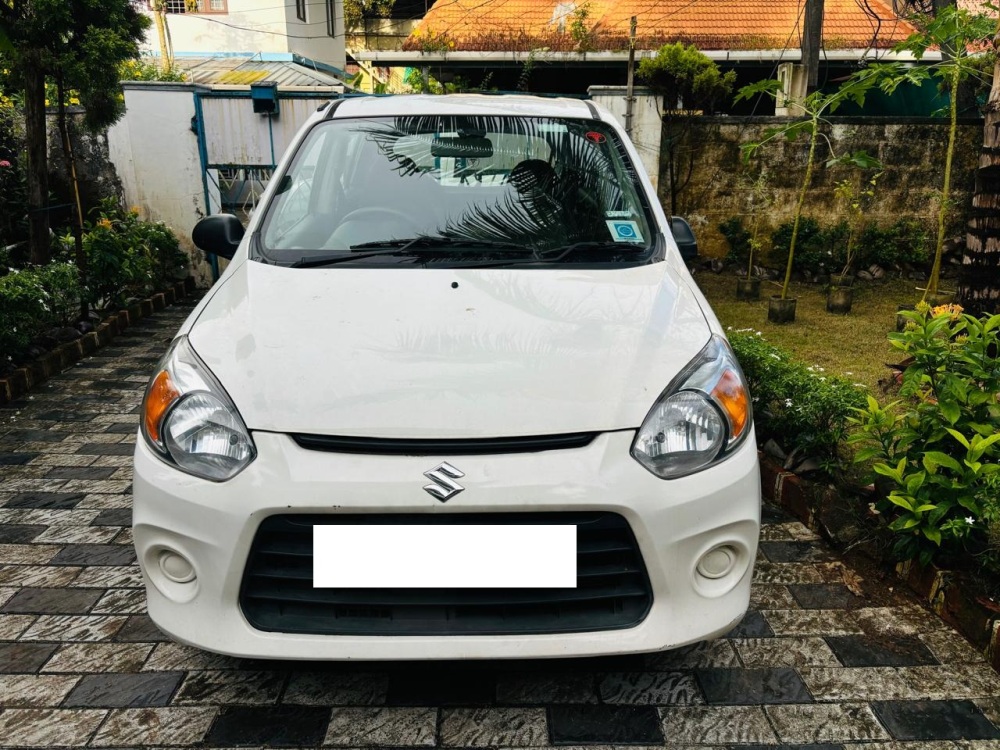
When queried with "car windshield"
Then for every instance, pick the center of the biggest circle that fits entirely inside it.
(458, 187)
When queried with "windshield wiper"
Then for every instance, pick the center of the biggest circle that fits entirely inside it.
(561, 253)
(343, 257)
(441, 242)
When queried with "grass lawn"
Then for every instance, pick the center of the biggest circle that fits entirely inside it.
(852, 345)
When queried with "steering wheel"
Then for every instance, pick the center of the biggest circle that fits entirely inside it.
(373, 212)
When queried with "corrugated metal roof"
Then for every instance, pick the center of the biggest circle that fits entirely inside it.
(242, 71)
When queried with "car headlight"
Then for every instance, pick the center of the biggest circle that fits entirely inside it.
(702, 416)
(190, 421)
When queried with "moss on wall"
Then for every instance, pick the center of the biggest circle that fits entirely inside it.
(912, 151)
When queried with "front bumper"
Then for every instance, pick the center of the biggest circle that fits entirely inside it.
(675, 523)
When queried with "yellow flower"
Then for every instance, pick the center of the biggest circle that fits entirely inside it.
(104, 223)
(134, 210)
(952, 311)
(922, 307)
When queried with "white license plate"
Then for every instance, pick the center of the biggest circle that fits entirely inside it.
(444, 556)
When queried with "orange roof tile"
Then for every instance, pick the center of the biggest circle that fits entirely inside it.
(709, 24)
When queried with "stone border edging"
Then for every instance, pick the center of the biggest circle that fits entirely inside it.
(941, 589)
(65, 355)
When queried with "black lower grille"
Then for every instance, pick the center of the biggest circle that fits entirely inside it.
(612, 591)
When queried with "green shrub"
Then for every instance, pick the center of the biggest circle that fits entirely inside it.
(738, 238)
(32, 300)
(904, 241)
(818, 249)
(939, 445)
(799, 406)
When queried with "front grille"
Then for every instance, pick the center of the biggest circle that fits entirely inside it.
(612, 590)
(445, 446)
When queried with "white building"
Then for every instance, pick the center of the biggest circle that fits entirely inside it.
(312, 29)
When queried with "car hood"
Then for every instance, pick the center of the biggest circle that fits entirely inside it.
(456, 353)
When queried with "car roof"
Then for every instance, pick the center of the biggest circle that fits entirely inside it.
(463, 104)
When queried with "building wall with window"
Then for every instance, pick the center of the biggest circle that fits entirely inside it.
(311, 28)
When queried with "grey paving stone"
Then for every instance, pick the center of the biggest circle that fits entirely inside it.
(77, 535)
(787, 573)
(824, 596)
(11, 626)
(121, 602)
(650, 688)
(717, 653)
(546, 688)
(753, 625)
(99, 657)
(949, 648)
(106, 449)
(73, 628)
(105, 577)
(935, 720)
(716, 725)
(772, 596)
(27, 554)
(237, 687)
(79, 472)
(155, 726)
(37, 575)
(378, 726)
(24, 657)
(807, 651)
(49, 727)
(171, 656)
(120, 690)
(897, 621)
(841, 722)
(34, 691)
(15, 459)
(858, 684)
(795, 551)
(868, 651)
(336, 688)
(493, 727)
(94, 554)
(62, 601)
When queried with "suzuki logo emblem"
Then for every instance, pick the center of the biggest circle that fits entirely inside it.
(443, 477)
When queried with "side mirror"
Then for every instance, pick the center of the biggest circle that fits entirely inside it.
(219, 234)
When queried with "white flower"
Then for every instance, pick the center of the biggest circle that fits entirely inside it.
(788, 402)
(848, 373)
(811, 368)
(759, 333)
(822, 380)
(970, 520)
(774, 356)
(860, 385)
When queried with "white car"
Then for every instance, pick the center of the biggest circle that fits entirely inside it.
(455, 396)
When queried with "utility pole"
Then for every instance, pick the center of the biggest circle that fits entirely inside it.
(812, 40)
(631, 76)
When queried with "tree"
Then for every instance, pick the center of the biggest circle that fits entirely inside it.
(80, 44)
(953, 31)
(689, 82)
(357, 12)
(979, 281)
(816, 106)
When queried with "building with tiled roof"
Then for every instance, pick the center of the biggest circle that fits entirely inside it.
(573, 25)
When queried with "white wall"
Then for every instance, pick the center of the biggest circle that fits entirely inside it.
(156, 157)
(253, 26)
(647, 121)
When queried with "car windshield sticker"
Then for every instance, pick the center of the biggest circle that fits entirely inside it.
(617, 214)
(595, 137)
(625, 231)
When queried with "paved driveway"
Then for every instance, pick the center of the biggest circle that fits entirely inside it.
(82, 665)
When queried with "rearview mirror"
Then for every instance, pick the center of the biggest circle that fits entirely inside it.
(219, 234)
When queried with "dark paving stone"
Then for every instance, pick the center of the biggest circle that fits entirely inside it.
(785, 552)
(118, 385)
(52, 601)
(124, 690)
(935, 720)
(24, 657)
(824, 596)
(94, 554)
(66, 415)
(140, 629)
(95, 399)
(866, 651)
(48, 500)
(16, 459)
(448, 686)
(588, 725)
(81, 472)
(770, 514)
(745, 687)
(36, 436)
(113, 517)
(791, 747)
(279, 726)
(107, 449)
(19, 533)
(122, 428)
(753, 625)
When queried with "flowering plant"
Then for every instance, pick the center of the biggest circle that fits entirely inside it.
(938, 446)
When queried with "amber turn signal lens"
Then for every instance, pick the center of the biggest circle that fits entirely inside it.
(730, 394)
(162, 394)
